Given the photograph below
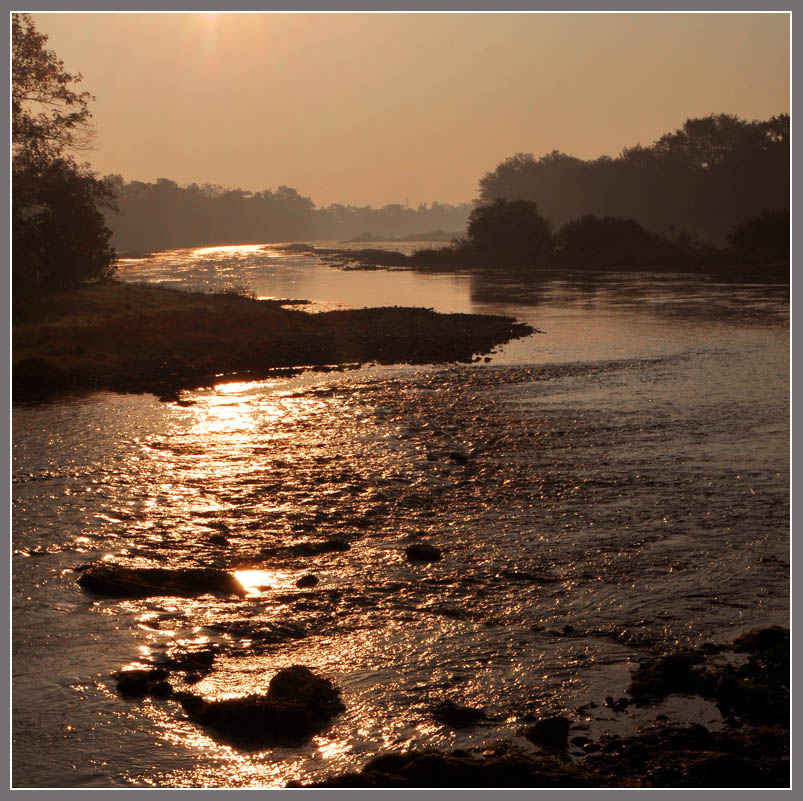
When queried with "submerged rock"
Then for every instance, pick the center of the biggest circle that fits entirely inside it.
(191, 662)
(666, 757)
(552, 733)
(756, 691)
(760, 640)
(457, 716)
(139, 683)
(676, 673)
(297, 705)
(692, 756)
(118, 581)
(423, 552)
(315, 548)
(307, 581)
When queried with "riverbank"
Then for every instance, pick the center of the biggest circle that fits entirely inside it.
(136, 338)
(722, 265)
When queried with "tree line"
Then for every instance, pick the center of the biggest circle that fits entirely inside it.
(717, 181)
(706, 177)
(504, 234)
(163, 215)
(697, 182)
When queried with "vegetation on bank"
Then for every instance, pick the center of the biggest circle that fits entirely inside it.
(507, 233)
(137, 338)
(513, 235)
(704, 178)
(162, 215)
(59, 233)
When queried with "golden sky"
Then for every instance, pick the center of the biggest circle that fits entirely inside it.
(383, 108)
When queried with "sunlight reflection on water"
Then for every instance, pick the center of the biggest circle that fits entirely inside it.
(597, 492)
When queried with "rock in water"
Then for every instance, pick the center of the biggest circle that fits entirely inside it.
(423, 552)
(139, 683)
(118, 581)
(297, 705)
(457, 716)
(550, 733)
(676, 673)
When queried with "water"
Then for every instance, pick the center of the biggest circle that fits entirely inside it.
(613, 487)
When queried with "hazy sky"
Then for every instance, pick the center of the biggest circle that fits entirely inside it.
(382, 108)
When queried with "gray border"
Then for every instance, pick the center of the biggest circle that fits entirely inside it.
(382, 6)
(406, 6)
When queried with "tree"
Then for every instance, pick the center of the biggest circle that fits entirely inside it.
(767, 234)
(59, 237)
(709, 174)
(510, 232)
(605, 241)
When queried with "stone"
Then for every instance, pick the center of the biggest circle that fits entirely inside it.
(423, 552)
(297, 705)
(551, 733)
(676, 673)
(119, 581)
(457, 716)
(142, 682)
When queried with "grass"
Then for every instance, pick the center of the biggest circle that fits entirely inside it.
(81, 330)
(132, 337)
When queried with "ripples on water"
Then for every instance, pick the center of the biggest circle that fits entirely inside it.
(614, 486)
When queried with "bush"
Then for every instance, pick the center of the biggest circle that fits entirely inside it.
(605, 241)
(768, 233)
(510, 232)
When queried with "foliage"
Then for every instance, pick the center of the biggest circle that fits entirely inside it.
(606, 241)
(702, 178)
(588, 242)
(767, 233)
(510, 232)
(163, 215)
(59, 236)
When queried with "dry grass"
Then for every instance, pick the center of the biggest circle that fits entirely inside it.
(107, 323)
(144, 338)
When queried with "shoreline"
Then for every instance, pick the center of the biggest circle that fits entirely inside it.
(453, 262)
(138, 338)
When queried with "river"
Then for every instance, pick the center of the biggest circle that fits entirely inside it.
(613, 486)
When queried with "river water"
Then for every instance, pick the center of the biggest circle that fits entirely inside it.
(614, 486)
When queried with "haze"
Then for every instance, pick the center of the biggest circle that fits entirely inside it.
(370, 109)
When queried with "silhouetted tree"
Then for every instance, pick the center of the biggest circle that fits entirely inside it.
(703, 177)
(606, 241)
(766, 234)
(510, 232)
(164, 215)
(59, 237)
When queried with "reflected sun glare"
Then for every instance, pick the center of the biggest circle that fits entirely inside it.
(231, 250)
(256, 581)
